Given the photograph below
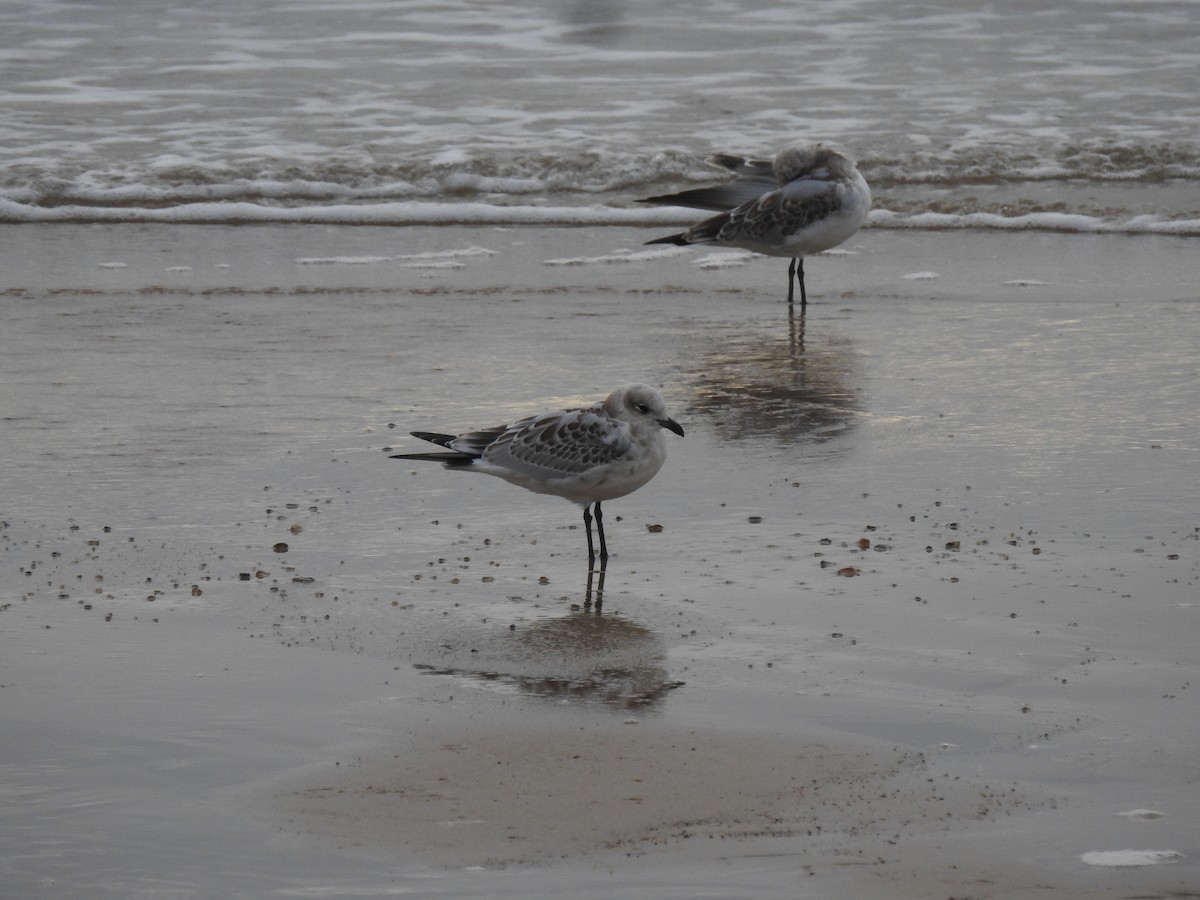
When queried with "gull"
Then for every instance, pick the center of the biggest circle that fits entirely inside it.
(805, 200)
(585, 455)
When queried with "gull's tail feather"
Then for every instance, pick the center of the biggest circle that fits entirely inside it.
(701, 233)
(442, 440)
(452, 458)
(718, 198)
(679, 239)
(712, 198)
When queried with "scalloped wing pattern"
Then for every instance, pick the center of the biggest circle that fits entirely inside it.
(565, 442)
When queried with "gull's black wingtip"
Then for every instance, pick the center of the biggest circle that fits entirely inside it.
(450, 459)
(677, 239)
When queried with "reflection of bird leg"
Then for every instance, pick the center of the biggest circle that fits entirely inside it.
(796, 273)
(796, 329)
(599, 585)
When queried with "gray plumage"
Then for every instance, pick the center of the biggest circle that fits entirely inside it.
(585, 455)
(806, 200)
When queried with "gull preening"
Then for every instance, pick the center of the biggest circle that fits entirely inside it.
(585, 455)
(806, 200)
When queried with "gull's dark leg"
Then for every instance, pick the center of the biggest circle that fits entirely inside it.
(791, 277)
(600, 531)
(587, 525)
(800, 273)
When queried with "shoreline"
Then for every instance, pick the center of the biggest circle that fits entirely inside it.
(467, 214)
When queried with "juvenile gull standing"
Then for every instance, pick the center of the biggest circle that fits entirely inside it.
(586, 455)
(806, 200)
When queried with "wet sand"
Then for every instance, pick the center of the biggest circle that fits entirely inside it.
(920, 620)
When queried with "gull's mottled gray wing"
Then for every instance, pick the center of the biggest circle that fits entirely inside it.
(475, 443)
(756, 177)
(564, 443)
(759, 169)
(719, 197)
(780, 212)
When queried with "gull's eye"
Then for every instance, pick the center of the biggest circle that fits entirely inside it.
(642, 408)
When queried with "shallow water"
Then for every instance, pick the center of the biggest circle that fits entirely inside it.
(312, 110)
(1007, 421)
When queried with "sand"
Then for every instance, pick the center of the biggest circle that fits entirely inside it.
(919, 622)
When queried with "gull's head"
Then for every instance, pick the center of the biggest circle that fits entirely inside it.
(640, 404)
(811, 161)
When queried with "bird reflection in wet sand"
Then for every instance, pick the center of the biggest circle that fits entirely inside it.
(585, 655)
(594, 593)
(796, 329)
(630, 671)
(753, 385)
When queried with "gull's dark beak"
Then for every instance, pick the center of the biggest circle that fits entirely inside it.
(671, 425)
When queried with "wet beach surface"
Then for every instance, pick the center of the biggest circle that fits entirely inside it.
(919, 621)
